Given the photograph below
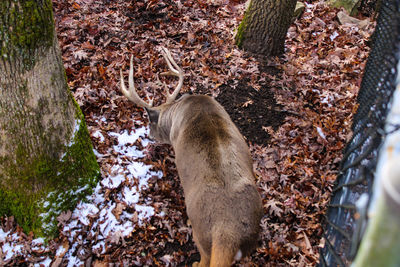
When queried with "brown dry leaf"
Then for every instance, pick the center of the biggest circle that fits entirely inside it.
(64, 217)
(245, 104)
(61, 252)
(272, 207)
(117, 211)
(56, 262)
(99, 263)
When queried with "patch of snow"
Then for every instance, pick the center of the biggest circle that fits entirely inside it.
(99, 247)
(99, 135)
(334, 35)
(327, 100)
(127, 228)
(127, 139)
(78, 191)
(97, 154)
(144, 212)
(138, 169)
(97, 197)
(131, 196)
(105, 219)
(321, 133)
(82, 252)
(111, 226)
(130, 151)
(83, 211)
(3, 235)
(60, 251)
(45, 263)
(70, 226)
(74, 261)
(109, 222)
(113, 181)
(142, 172)
(145, 142)
(76, 129)
(15, 236)
(37, 242)
(11, 250)
(161, 214)
(46, 204)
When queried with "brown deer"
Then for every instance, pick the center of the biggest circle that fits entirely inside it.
(214, 166)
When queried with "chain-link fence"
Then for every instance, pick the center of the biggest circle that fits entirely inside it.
(346, 217)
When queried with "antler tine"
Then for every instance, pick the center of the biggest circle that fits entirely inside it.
(132, 94)
(174, 70)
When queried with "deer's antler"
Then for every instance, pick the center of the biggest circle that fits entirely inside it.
(131, 94)
(174, 70)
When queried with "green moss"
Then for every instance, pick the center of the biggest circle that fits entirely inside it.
(351, 6)
(239, 34)
(49, 185)
(25, 26)
(241, 29)
(19, 204)
(78, 166)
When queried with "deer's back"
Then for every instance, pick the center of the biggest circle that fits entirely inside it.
(215, 168)
(208, 142)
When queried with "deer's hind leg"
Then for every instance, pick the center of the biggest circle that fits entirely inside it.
(204, 256)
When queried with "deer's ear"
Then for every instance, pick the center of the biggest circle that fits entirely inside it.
(153, 114)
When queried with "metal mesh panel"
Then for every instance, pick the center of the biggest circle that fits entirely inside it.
(346, 216)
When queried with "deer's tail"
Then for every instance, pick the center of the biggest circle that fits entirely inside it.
(224, 251)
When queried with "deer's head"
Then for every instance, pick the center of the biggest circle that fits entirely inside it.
(159, 127)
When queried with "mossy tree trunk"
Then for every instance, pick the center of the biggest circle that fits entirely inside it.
(46, 157)
(264, 26)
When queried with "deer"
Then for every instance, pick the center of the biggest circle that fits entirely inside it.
(214, 165)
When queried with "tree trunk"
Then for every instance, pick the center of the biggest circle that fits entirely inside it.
(381, 244)
(264, 26)
(46, 157)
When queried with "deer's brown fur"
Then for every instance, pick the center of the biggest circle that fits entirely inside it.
(216, 172)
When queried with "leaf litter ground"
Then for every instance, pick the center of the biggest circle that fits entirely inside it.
(294, 111)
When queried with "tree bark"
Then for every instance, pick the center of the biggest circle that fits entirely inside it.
(46, 157)
(380, 245)
(264, 26)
